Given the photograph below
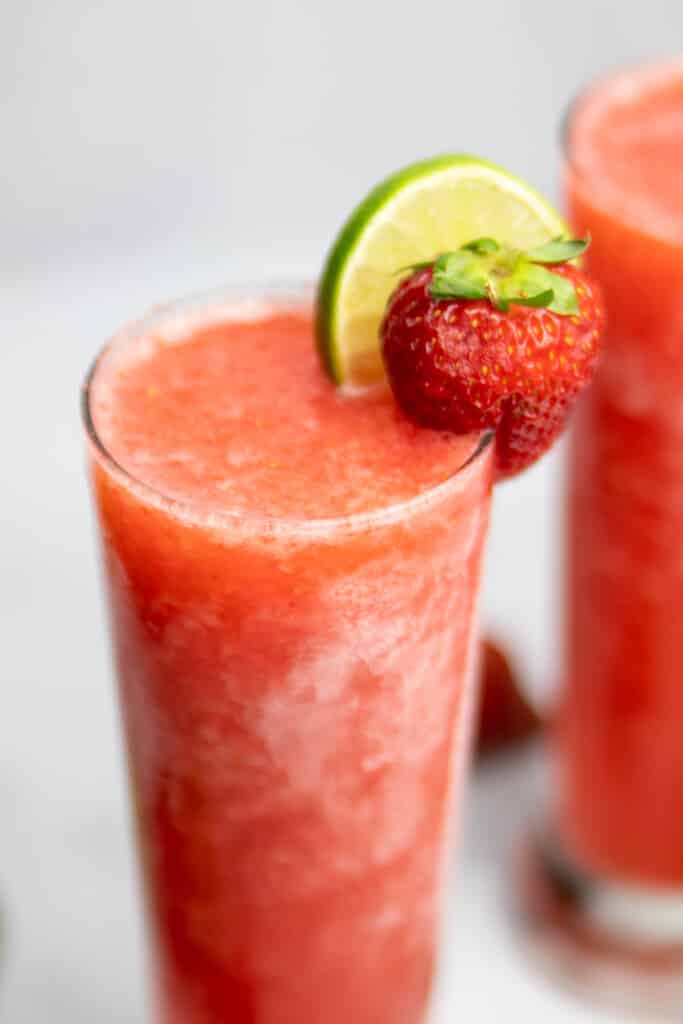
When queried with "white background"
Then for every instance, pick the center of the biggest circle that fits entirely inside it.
(148, 149)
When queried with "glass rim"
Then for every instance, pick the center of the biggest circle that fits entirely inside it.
(650, 70)
(209, 306)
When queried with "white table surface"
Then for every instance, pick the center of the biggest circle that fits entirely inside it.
(74, 949)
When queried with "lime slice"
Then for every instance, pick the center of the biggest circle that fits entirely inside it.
(427, 208)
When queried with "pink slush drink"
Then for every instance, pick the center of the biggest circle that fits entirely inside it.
(605, 888)
(621, 723)
(293, 575)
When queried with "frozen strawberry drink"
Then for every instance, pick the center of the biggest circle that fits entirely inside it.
(293, 576)
(614, 864)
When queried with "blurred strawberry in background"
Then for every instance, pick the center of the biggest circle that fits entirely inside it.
(506, 718)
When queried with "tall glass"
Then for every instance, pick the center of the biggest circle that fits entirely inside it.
(296, 698)
(605, 884)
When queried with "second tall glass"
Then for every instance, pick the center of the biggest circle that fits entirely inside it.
(605, 889)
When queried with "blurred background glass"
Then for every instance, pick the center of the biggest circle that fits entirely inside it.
(604, 897)
(149, 150)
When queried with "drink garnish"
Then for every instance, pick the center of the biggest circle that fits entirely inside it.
(425, 209)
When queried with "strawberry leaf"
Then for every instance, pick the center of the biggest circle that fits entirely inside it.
(484, 269)
(482, 245)
(560, 250)
(542, 299)
(565, 300)
(459, 275)
(529, 284)
(456, 288)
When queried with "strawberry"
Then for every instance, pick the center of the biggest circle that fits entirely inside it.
(505, 716)
(489, 337)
